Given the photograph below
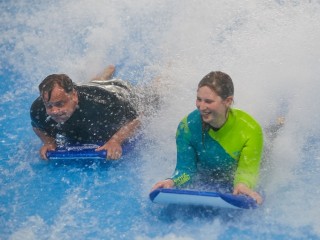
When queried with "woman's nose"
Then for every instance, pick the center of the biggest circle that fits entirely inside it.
(201, 105)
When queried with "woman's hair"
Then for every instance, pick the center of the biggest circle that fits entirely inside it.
(62, 80)
(221, 83)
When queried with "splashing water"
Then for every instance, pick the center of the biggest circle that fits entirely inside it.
(269, 48)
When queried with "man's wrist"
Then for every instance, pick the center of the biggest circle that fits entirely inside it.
(115, 139)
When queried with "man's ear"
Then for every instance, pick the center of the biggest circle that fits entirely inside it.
(75, 95)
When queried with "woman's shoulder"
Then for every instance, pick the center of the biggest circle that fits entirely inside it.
(245, 119)
(191, 120)
(190, 126)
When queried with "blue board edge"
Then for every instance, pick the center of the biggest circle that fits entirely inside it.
(240, 201)
(83, 151)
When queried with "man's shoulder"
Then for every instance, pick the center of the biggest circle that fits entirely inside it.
(90, 89)
(37, 105)
(38, 113)
(94, 94)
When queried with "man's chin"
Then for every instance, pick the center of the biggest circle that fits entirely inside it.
(60, 119)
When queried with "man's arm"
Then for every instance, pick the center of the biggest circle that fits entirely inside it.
(113, 146)
(49, 142)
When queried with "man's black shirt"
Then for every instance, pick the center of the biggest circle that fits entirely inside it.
(98, 116)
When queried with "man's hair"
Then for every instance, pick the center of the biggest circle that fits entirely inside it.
(220, 82)
(62, 80)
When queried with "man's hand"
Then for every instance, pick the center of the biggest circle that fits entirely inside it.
(47, 147)
(113, 148)
(49, 143)
(241, 188)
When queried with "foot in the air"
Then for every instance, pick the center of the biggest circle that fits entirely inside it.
(106, 74)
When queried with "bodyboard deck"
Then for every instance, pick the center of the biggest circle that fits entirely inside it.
(202, 198)
(83, 151)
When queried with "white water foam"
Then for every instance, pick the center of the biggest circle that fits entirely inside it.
(269, 48)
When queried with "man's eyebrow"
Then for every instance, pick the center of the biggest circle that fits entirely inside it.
(52, 103)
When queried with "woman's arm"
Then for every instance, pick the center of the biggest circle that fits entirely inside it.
(248, 168)
(186, 156)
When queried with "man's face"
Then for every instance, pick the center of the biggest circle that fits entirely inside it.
(61, 105)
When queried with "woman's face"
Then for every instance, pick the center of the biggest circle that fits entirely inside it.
(213, 108)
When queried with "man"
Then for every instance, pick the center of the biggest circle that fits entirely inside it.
(101, 112)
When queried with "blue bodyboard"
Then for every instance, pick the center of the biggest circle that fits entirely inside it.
(83, 151)
(202, 198)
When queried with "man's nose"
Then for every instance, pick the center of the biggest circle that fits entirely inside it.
(54, 110)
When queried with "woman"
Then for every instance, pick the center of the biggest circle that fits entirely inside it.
(216, 143)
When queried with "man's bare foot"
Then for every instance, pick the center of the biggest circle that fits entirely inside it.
(106, 74)
(281, 121)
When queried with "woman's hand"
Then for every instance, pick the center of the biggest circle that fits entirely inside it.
(168, 183)
(241, 188)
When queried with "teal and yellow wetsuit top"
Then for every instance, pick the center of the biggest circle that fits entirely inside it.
(230, 154)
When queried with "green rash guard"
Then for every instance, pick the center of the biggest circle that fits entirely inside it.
(232, 153)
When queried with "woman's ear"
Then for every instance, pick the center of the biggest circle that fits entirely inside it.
(229, 101)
